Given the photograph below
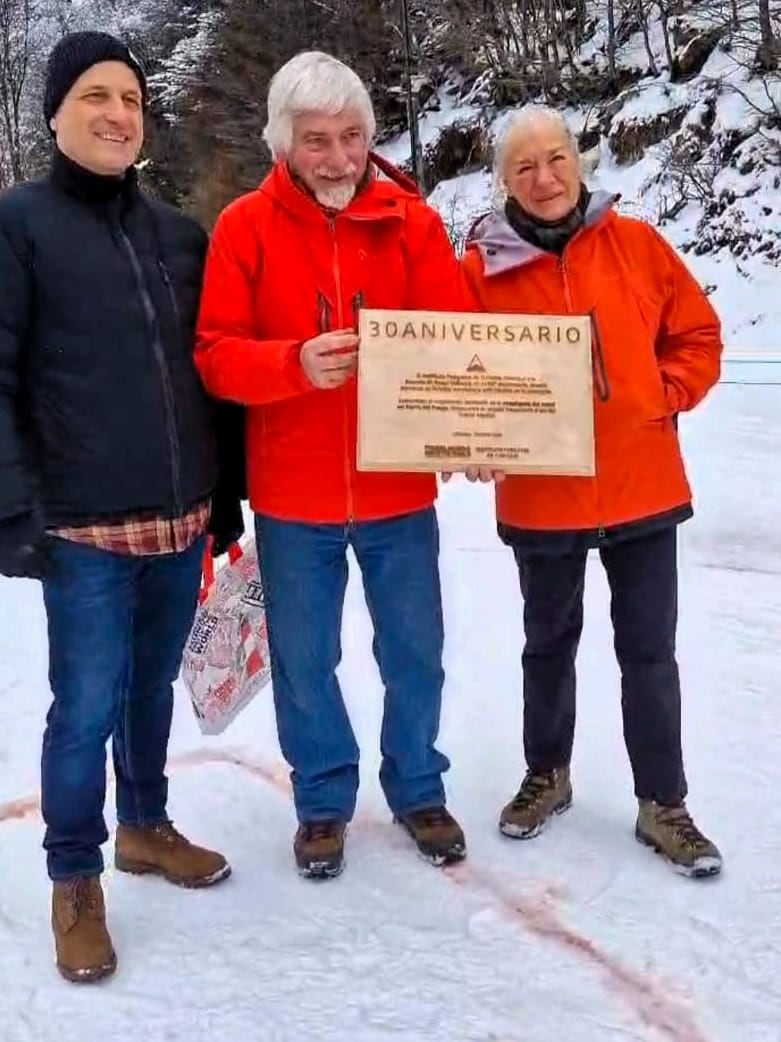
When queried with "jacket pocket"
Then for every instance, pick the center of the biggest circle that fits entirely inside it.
(626, 371)
(601, 382)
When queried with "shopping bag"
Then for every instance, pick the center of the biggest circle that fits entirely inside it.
(226, 658)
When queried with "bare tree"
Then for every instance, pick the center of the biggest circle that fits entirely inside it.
(664, 16)
(16, 24)
(642, 10)
(611, 41)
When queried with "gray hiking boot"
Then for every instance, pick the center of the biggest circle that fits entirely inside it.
(538, 799)
(671, 832)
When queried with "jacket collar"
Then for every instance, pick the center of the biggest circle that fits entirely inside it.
(375, 199)
(93, 189)
(502, 248)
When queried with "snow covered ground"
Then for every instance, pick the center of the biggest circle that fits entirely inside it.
(580, 934)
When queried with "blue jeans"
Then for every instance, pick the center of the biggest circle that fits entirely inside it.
(304, 572)
(117, 629)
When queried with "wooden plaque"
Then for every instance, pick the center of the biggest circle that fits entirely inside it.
(442, 391)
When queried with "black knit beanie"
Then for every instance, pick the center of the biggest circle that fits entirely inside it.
(77, 52)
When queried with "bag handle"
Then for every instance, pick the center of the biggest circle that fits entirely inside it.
(207, 568)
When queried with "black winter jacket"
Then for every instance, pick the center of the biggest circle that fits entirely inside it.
(102, 413)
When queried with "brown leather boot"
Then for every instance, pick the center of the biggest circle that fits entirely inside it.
(161, 850)
(437, 835)
(318, 848)
(84, 949)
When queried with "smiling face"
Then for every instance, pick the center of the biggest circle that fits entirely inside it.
(100, 124)
(541, 170)
(330, 155)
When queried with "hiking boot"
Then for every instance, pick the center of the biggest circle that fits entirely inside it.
(162, 851)
(319, 848)
(437, 835)
(84, 950)
(671, 832)
(538, 799)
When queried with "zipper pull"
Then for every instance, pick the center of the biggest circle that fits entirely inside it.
(358, 303)
(323, 313)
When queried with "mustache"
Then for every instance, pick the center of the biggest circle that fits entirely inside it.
(350, 170)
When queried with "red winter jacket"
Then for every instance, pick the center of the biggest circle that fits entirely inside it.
(280, 270)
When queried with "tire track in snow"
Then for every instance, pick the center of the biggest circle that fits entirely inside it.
(656, 1010)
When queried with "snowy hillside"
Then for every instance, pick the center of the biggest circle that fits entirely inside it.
(697, 153)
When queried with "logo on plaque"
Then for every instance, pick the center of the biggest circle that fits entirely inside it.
(475, 366)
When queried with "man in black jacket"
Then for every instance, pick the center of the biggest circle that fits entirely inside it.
(108, 466)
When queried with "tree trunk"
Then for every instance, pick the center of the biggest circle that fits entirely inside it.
(642, 14)
(767, 57)
(611, 42)
(664, 18)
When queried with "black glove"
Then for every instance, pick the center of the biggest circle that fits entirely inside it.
(226, 524)
(23, 548)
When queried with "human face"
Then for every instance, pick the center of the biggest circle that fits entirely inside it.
(330, 154)
(542, 171)
(100, 123)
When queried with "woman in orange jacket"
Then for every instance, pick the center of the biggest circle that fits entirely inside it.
(555, 248)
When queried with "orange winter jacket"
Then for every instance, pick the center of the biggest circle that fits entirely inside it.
(656, 352)
(280, 270)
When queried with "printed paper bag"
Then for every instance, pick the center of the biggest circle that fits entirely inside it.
(226, 660)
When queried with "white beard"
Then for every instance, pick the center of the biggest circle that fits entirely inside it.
(335, 198)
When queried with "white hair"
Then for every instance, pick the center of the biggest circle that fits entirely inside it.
(313, 82)
(525, 119)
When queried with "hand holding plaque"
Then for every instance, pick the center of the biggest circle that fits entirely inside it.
(482, 474)
(330, 358)
(451, 391)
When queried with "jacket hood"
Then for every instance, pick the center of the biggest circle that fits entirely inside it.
(502, 248)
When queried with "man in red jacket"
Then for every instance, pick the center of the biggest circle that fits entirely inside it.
(290, 266)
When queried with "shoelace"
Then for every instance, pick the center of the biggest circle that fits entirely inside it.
(317, 830)
(679, 819)
(169, 834)
(533, 788)
(84, 894)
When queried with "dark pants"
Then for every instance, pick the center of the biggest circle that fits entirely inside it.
(643, 577)
(117, 629)
(304, 572)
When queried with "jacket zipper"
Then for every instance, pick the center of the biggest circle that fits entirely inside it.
(603, 384)
(571, 309)
(165, 376)
(565, 280)
(345, 419)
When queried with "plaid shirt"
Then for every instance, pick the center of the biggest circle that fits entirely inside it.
(143, 537)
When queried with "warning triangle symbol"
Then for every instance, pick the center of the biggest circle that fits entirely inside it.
(475, 366)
